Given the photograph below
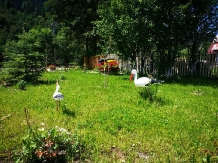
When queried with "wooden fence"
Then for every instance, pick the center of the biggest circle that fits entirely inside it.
(207, 67)
(181, 67)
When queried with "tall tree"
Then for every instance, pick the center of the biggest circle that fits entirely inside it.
(127, 24)
(67, 46)
(26, 56)
(179, 24)
(78, 15)
(160, 25)
(203, 26)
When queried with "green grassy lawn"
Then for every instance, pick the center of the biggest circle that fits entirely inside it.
(117, 123)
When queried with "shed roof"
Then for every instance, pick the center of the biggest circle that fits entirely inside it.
(213, 48)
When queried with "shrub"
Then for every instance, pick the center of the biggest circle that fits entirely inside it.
(55, 144)
(25, 58)
(21, 84)
(149, 92)
(62, 77)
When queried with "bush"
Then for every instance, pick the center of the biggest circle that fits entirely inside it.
(25, 57)
(49, 145)
(21, 84)
(149, 92)
(62, 77)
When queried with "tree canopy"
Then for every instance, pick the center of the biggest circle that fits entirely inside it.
(70, 29)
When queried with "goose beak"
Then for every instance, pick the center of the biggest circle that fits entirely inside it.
(131, 76)
(56, 82)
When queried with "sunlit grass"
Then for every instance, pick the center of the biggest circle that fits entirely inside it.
(115, 121)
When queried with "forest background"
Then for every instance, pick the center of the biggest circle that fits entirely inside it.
(61, 31)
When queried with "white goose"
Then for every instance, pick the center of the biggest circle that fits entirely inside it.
(57, 96)
(143, 81)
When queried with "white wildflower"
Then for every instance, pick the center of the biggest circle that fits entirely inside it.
(68, 133)
(41, 129)
(62, 130)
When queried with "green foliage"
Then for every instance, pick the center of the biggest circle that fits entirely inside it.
(62, 77)
(21, 84)
(95, 27)
(26, 59)
(49, 145)
(15, 66)
(168, 27)
(150, 92)
(66, 45)
(76, 17)
(55, 144)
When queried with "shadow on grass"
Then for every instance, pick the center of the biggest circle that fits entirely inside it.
(69, 112)
(44, 82)
(126, 78)
(193, 80)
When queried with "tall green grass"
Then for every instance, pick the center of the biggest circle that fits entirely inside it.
(117, 122)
